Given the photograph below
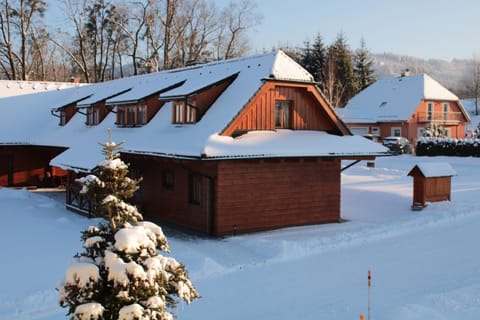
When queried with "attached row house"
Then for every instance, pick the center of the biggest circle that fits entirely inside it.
(233, 146)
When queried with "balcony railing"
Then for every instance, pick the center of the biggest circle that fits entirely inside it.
(442, 117)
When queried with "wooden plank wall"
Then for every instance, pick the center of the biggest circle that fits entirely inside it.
(203, 100)
(438, 188)
(172, 205)
(308, 113)
(267, 194)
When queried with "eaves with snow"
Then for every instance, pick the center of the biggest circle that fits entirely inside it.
(12, 88)
(27, 119)
(394, 99)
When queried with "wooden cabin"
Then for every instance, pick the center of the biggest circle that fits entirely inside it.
(406, 106)
(431, 183)
(228, 147)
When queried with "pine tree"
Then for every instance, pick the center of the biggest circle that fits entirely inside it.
(363, 67)
(340, 56)
(314, 58)
(120, 274)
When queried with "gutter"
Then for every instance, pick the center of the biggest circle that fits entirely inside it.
(203, 156)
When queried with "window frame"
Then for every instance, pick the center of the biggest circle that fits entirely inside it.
(168, 179)
(195, 189)
(141, 114)
(421, 131)
(394, 129)
(183, 113)
(63, 117)
(445, 109)
(93, 116)
(283, 114)
(430, 110)
(132, 115)
(120, 116)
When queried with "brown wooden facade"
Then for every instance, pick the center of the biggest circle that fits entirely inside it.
(309, 111)
(22, 166)
(229, 196)
(224, 197)
(238, 196)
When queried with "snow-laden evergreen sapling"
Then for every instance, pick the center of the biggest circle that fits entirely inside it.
(121, 274)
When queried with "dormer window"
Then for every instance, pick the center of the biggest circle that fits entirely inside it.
(132, 115)
(184, 113)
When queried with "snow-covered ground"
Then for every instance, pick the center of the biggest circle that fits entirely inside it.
(425, 264)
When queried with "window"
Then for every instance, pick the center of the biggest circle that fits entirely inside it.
(195, 189)
(396, 132)
(282, 114)
(132, 115)
(63, 118)
(92, 116)
(420, 132)
(120, 116)
(446, 106)
(375, 131)
(184, 113)
(430, 111)
(142, 114)
(167, 179)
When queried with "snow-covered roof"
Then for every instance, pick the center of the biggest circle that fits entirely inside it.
(435, 169)
(35, 125)
(10, 88)
(393, 99)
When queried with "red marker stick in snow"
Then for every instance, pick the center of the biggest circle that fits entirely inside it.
(369, 285)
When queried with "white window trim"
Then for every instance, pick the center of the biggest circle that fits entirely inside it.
(184, 113)
(142, 114)
(375, 130)
(393, 129)
(420, 132)
(430, 110)
(446, 107)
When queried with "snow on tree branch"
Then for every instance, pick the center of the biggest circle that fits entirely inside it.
(121, 273)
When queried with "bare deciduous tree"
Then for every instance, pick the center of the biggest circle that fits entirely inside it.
(472, 82)
(237, 17)
(332, 86)
(20, 39)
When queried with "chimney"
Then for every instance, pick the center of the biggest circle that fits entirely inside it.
(75, 80)
(405, 72)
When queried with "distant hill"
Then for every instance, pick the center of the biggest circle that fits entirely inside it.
(451, 74)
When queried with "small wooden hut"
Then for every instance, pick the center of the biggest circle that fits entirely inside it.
(431, 182)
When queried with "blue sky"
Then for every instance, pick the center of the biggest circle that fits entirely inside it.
(429, 29)
(437, 29)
